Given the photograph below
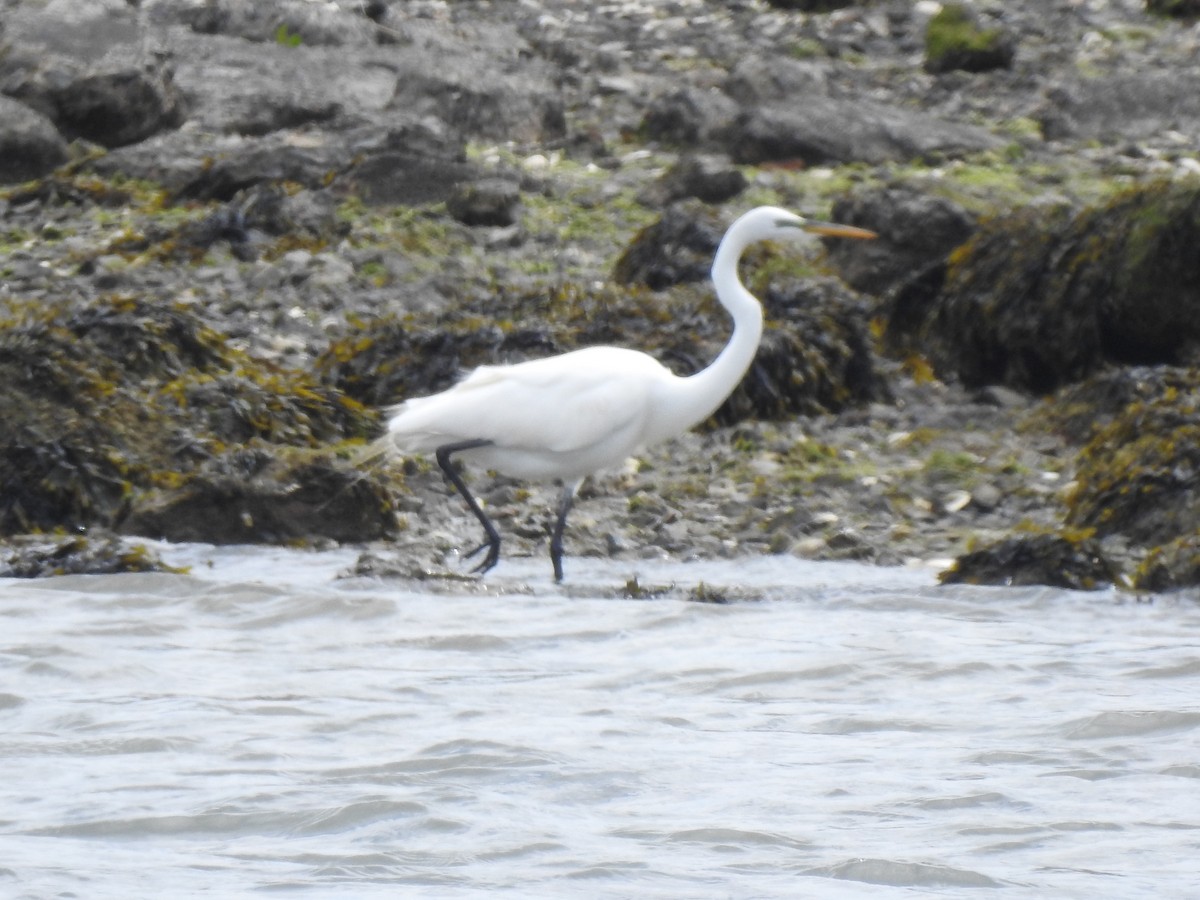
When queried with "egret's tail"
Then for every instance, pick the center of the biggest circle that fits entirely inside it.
(409, 430)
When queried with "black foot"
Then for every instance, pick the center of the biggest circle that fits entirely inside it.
(490, 560)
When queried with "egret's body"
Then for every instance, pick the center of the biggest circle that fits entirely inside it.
(564, 417)
(610, 390)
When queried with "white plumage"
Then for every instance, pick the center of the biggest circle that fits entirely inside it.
(564, 417)
(600, 397)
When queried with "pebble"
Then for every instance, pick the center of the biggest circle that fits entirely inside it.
(956, 501)
(986, 497)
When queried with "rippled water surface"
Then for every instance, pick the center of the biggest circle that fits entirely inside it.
(260, 726)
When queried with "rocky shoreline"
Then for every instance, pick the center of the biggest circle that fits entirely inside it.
(233, 232)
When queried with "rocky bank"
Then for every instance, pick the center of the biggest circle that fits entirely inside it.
(231, 233)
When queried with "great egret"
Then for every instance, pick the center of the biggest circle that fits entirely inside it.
(565, 417)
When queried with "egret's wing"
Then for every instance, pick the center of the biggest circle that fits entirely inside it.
(559, 404)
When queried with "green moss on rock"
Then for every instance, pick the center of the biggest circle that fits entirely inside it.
(954, 39)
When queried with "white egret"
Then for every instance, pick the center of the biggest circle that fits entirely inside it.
(565, 417)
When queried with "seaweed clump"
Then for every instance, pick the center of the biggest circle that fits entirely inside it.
(816, 356)
(1042, 298)
(1139, 475)
(385, 359)
(1171, 566)
(72, 425)
(676, 249)
(115, 402)
(1135, 489)
(100, 553)
(1073, 562)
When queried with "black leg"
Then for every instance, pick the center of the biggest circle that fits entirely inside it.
(491, 535)
(565, 501)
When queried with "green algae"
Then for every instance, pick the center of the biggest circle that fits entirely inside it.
(955, 40)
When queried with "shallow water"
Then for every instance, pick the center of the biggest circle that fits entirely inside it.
(260, 725)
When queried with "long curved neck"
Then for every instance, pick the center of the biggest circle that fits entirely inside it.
(697, 397)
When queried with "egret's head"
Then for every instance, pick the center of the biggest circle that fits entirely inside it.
(787, 223)
(767, 223)
(773, 223)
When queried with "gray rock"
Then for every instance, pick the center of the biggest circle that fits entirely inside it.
(111, 103)
(812, 6)
(828, 130)
(847, 543)
(704, 177)
(173, 159)
(266, 114)
(115, 107)
(65, 31)
(1127, 105)
(419, 161)
(756, 80)
(1035, 559)
(255, 89)
(30, 145)
(687, 116)
(411, 163)
(407, 179)
(480, 84)
(246, 164)
(290, 23)
(97, 552)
